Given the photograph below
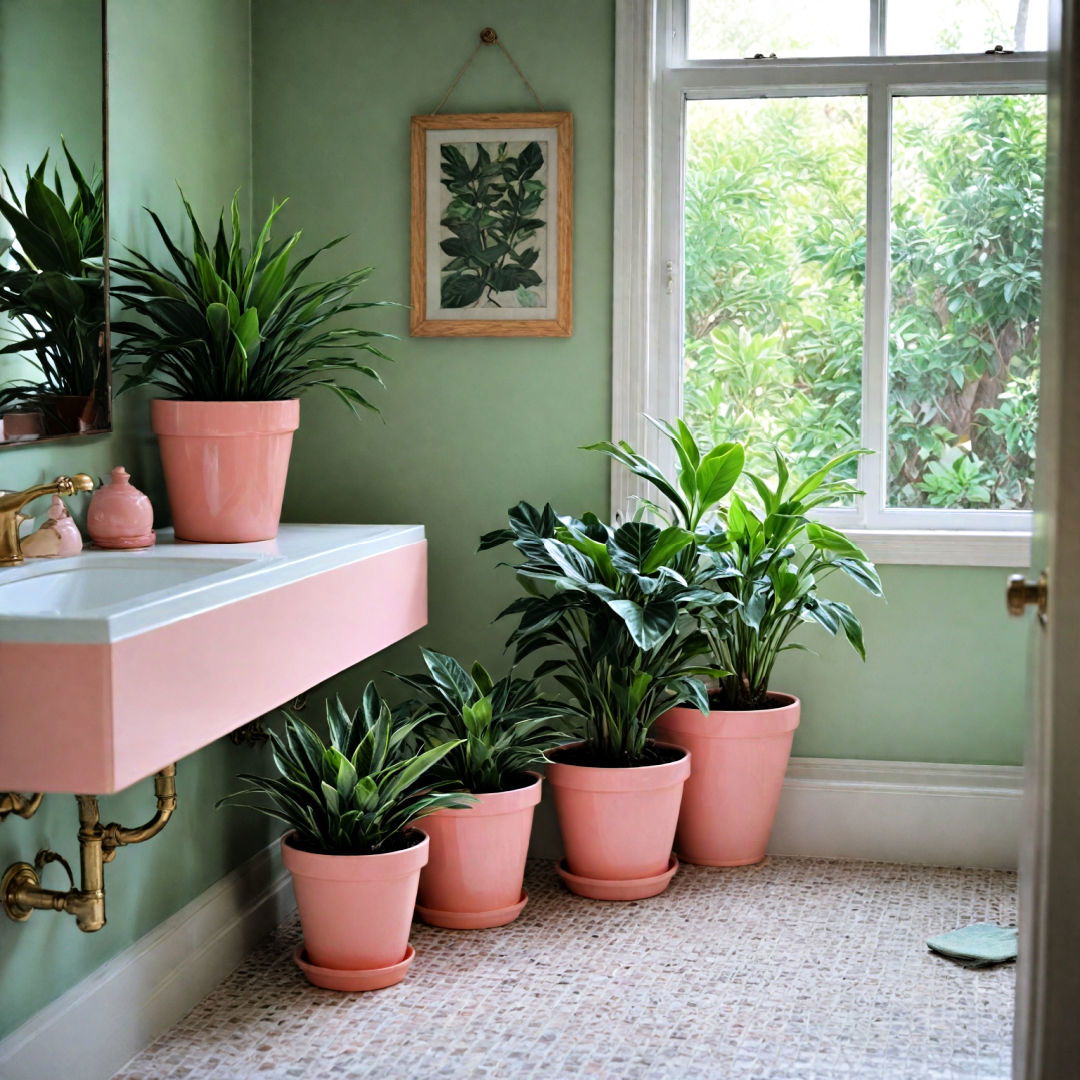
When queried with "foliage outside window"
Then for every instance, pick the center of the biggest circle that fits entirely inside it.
(779, 274)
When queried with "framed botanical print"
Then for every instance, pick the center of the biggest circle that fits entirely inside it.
(492, 225)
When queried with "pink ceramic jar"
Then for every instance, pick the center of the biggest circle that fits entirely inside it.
(120, 516)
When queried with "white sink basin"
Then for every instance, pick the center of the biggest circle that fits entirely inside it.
(87, 583)
(115, 664)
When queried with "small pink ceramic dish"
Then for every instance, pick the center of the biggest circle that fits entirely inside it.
(636, 889)
(473, 920)
(336, 979)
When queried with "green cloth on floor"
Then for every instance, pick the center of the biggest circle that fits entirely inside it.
(977, 945)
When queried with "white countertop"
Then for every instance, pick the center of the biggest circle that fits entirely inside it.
(54, 601)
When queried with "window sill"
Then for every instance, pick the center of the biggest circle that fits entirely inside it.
(939, 547)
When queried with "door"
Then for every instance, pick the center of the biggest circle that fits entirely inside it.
(1048, 988)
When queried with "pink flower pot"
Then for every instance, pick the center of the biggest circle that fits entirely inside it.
(740, 758)
(618, 826)
(473, 877)
(225, 465)
(356, 911)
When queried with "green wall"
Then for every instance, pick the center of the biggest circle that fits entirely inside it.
(181, 110)
(474, 425)
(470, 426)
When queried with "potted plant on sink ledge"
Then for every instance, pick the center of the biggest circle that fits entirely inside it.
(473, 877)
(353, 850)
(234, 338)
(772, 561)
(620, 619)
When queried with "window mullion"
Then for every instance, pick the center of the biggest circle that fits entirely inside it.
(878, 13)
(873, 467)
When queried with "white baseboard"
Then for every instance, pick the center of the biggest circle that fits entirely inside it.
(883, 811)
(901, 811)
(96, 1027)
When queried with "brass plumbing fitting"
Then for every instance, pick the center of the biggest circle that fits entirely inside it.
(25, 806)
(21, 892)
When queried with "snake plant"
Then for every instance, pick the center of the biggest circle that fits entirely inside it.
(355, 794)
(765, 553)
(223, 323)
(53, 294)
(620, 618)
(502, 728)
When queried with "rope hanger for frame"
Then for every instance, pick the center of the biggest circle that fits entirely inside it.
(488, 37)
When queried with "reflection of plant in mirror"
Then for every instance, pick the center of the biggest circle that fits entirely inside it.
(491, 217)
(54, 294)
(227, 324)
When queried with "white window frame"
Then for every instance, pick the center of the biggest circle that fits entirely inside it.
(653, 80)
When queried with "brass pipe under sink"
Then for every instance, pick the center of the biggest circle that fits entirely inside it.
(24, 806)
(21, 891)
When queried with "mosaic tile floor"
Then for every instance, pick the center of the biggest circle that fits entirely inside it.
(797, 969)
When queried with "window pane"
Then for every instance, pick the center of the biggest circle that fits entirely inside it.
(917, 27)
(964, 335)
(775, 235)
(723, 29)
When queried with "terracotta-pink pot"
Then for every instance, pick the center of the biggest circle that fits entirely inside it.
(473, 877)
(356, 910)
(739, 761)
(225, 466)
(618, 824)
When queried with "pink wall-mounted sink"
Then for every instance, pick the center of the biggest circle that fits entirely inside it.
(114, 665)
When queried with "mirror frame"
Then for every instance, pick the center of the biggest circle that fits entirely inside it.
(109, 425)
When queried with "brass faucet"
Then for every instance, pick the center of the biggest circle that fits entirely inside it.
(12, 502)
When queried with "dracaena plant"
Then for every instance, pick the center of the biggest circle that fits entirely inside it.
(355, 793)
(619, 618)
(501, 728)
(222, 323)
(767, 554)
(53, 292)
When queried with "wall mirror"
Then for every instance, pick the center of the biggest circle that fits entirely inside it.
(54, 334)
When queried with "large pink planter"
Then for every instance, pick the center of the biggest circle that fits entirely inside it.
(356, 910)
(473, 877)
(739, 762)
(618, 826)
(225, 466)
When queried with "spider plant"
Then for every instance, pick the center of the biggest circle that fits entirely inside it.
(223, 323)
(621, 618)
(356, 794)
(501, 728)
(767, 555)
(53, 295)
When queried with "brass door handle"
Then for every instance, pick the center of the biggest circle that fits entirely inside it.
(1020, 593)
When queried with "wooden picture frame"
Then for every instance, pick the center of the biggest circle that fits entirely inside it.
(502, 281)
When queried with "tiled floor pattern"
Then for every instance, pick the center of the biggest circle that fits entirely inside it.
(797, 969)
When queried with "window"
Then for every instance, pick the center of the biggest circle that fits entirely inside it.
(842, 249)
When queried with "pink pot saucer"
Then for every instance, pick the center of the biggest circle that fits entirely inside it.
(473, 920)
(705, 861)
(334, 979)
(634, 889)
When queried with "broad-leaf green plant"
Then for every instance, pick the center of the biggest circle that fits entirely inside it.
(355, 793)
(52, 291)
(620, 619)
(502, 727)
(223, 323)
(770, 558)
